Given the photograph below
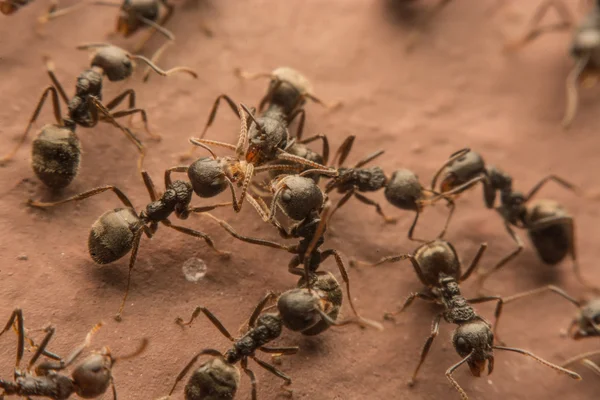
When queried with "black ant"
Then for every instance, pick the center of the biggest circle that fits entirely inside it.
(211, 176)
(584, 49)
(402, 188)
(90, 378)
(117, 232)
(549, 227)
(587, 321)
(438, 267)
(56, 150)
(301, 199)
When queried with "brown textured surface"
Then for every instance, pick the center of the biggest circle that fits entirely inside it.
(456, 90)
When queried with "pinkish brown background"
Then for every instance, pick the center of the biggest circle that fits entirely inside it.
(457, 89)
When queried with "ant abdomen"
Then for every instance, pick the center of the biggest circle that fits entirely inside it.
(55, 156)
(553, 242)
(403, 190)
(92, 377)
(299, 197)
(213, 380)
(207, 177)
(111, 236)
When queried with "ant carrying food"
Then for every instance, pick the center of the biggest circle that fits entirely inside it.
(90, 378)
(56, 151)
(549, 226)
(585, 48)
(402, 189)
(438, 267)
(117, 232)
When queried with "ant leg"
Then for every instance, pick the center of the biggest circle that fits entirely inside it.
(280, 350)
(474, 263)
(211, 118)
(96, 105)
(483, 276)
(190, 364)
(211, 317)
(134, 250)
(547, 179)
(17, 315)
(392, 259)
(430, 14)
(42, 346)
(341, 202)
(53, 12)
(85, 195)
(536, 31)
(247, 371)
(343, 151)
(452, 207)
(149, 186)
(391, 316)
(56, 104)
(259, 308)
(453, 382)
(412, 229)
(368, 158)
(114, 388)
(50, 70)
(459, 189)
(248, 239)
(194, 233)
(325, 151)
(583, 358)
(572, 89)
(276, 372)
(130, 94)
(283, 155)
(555, 367)
(497, 312)
(168, 172)
(302, 113)
(435, 329)
(340, 263)
(131, 112)
(370, 202)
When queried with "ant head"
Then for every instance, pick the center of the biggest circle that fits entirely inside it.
(475, 339)
(111, 236)
(403, 190)
(93, 375)
(298, 196)
(114, 61)
(462, 170)
(207, 177)
(128, 22)
(587, 321)
(213, 380)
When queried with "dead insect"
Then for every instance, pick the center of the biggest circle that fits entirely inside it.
(585, 48)
(402, 188)
(549, 226)
(299, 197)
(218, 378)
(119, 231)
(438, 267)
(90, 378)
(211, 176)
(586, 322)
(56, 151)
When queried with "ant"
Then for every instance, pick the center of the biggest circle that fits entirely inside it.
(301, 199)
(118, 232)
(90, 378)
(301, 310)
(585, 361)
(549, 227)
(438, 267)
(212, 176)
(56, 150)
(584, 49)
(587, 321)
(402, 188)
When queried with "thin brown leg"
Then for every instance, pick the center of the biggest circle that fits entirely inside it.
(325, 151)
(392, 259)
(50, 70)
(149, 186)
(194, 233)
(57, 114)
(251, 375)
(276, 372)
(259, 308)
(280, 350)
(190, 364)
(391, 316)
(343, 151)
(411, 230)
(378, 208)
(369, 158)
(85, 195)
(302, 113)
(212, 319)
(168, 172)
(19, 327)
(42, 346)
(483, 276)
(535, 30)
(341, 202)
(555, 367)
(134, 250)
(340, 263)
(562, 182)
(435, 329)
(497, 312)
(131, 110)
(474, 263)
(453, 157)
